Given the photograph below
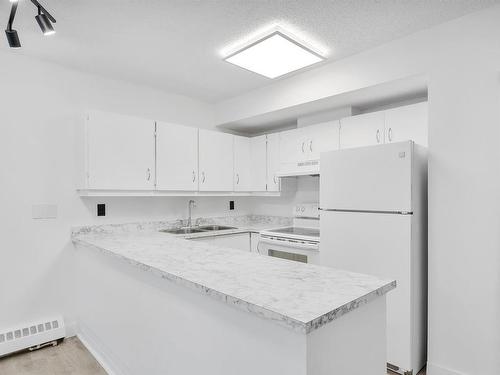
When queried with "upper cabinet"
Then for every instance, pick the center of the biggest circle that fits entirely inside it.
(300, 148)
(320, 138)
(176, 157)
(119, 152)
(273, 162)
(242, 177)
(215, 161)
(258, 163)
(408, 122)
(362, 130)
(392, 125)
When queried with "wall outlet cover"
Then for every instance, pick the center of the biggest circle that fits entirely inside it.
(101, 209)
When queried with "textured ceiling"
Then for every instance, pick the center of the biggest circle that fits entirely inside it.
(176, 45)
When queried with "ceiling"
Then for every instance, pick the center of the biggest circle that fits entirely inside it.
(175, 45)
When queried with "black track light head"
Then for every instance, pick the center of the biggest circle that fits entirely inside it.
(45, 24)
(13, 38)
(44, 19)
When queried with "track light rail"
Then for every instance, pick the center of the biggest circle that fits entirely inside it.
(44, 11)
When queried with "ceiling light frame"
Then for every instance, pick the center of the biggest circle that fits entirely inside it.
(265, 37)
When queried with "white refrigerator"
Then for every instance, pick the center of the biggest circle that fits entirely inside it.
(373, 220)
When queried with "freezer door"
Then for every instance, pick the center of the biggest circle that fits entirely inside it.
(379, 245)
(373, 178)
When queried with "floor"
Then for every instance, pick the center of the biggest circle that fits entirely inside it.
(68, 358)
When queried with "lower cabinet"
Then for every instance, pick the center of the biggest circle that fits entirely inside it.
(254, 242)
(240, 241)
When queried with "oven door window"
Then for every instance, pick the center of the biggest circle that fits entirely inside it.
(286, 255)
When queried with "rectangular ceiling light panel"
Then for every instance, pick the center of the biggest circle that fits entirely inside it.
(274, 56)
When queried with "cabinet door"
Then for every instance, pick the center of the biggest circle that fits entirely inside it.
(273, 162)
(242, 179)
(239, 241)
(258, 166)
(362, 130)
(254, 242)
(215, 161)
(292, 150)
(407, 123)
(120, 152)
(290, 146)
(176, 157)
(321, 137)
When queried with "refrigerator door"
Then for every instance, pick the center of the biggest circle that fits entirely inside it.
(379, 245)
(373, 178)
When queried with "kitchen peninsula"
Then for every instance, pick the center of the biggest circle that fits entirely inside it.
(154, 303)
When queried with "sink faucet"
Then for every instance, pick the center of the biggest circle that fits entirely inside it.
(191, 205)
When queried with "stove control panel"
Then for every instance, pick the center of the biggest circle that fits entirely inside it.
(306, 210)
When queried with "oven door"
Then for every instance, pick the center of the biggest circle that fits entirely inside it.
(296, 250)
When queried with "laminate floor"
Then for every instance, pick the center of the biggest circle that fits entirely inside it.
(68, 358)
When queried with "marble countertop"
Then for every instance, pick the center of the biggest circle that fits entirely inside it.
(300, 296)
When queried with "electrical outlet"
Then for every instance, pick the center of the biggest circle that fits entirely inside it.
(101, 209)
(231, 205)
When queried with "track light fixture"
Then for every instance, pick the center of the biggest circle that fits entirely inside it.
(44, 19)
(44, 23)
(11, 34)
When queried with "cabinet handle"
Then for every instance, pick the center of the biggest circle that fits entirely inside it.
(389, 134)
(202, 177)
(303, 143)
(237, 178)
(148, 174)
(311, 146)
(274, 179)
(194, 176)
(378, 136)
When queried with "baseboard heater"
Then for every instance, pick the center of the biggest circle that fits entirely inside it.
(32, 336)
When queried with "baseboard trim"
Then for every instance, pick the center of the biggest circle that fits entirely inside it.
(433, 369)
(91, 342)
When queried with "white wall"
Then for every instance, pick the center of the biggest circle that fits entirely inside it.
(40, 106)
(305, 189)
(462, 61)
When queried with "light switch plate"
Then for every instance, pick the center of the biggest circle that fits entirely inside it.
(44, 211)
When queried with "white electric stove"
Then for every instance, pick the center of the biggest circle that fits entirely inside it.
(298, 243)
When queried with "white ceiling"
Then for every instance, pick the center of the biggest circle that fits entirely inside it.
(175, 45)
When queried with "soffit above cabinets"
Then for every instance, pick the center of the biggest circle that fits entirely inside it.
(362, 100)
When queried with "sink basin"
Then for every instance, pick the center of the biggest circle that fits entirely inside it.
(214, 227)
(182, 230)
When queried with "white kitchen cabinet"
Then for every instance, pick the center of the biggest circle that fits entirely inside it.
(254, 242)
(289, 149)
(273, 161)
(242, 178)
(300, 148)
(119, 152)
(258, 163)
(240, 241)
(215, 161)
(407, 123)
(176, 157)
(362, 130)
(320, 138)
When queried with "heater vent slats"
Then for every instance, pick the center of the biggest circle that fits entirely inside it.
(30, 335)
(32, 330)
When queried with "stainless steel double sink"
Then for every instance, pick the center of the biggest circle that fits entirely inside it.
(200, 229)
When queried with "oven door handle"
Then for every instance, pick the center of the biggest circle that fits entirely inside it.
(290, 244)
